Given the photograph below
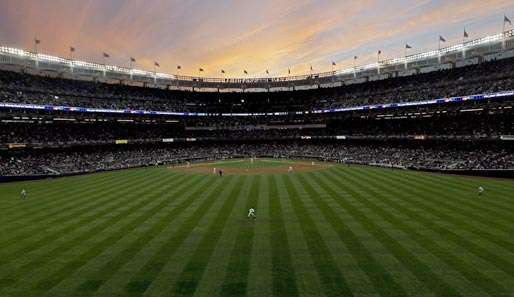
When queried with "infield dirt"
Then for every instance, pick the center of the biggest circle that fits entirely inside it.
(207, 168)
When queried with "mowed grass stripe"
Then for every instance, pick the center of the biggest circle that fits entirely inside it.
(382, 281)
(502, 188)
(80, 199)
(236, 277)
(33, 206)
(306, 276)
(46, 186)
(451, 235)
(41, 189)
(194, 270)
(73, 220)
(145, 276)
(189, 194)
(69, 189)
(68, 226)
(464, 268)
(96, 229)
(215, 271)
(466, 198)
(490, 203)
(132, 277)
(420, 270)
(115, 235)
(448, 200)
(501, 185)
(80, 207)
(259, 278)
(283, 275)
(471, 246)
(332, 280)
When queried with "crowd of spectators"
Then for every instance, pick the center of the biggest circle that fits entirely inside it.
(476, 79)
(433, 156)
(82, 133)
(461, 124)
(84, 157)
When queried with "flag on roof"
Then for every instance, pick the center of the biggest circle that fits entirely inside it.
(506, 20)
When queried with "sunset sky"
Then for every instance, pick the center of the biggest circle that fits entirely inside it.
(243, 34)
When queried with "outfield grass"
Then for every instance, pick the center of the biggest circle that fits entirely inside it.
(342, 231)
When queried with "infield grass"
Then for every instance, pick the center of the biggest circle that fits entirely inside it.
(341, 231)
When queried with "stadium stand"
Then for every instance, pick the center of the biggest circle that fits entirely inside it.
(483, 78)
(453, 114)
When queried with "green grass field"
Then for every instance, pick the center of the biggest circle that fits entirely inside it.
(245, 163)
(342, 231)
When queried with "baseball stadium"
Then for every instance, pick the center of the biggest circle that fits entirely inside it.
(380, 176)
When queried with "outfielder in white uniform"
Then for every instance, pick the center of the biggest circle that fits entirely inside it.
(251, 213)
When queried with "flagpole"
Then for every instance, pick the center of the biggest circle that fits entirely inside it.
(104, 56)
(439, 50)
(503, 31)
(405, 55)
(71, 48)
(354, 67)
(130, 67)
(155, 65)
(378, 61)
(463, 42)
(178, 76)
